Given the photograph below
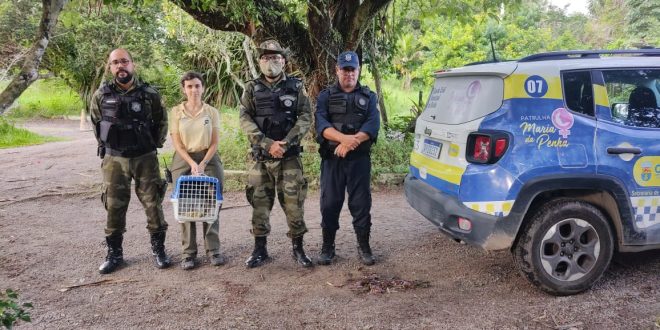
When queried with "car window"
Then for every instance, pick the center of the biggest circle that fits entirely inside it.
(633, 96)
(578, 92)
(457, 100)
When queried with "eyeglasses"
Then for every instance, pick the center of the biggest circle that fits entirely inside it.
(122, 61)
(275, 57)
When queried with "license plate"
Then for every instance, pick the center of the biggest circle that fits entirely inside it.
(431, 148)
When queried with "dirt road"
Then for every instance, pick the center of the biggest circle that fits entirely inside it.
(51, 234)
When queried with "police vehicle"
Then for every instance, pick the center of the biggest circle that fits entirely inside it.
(555, 156)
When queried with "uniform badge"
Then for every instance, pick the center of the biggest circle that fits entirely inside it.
(362, 102)
(287, 100)
(136, 107)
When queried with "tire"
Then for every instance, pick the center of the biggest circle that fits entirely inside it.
(565, 248)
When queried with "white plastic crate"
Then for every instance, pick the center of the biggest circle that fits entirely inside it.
(196, 198)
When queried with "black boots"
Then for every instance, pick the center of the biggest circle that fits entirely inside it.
(259, 255)
(328, 247)
(158, 249)
(115, 256)
(364, 250)
(299, 253)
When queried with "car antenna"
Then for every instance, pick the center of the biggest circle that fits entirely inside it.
(492, 48)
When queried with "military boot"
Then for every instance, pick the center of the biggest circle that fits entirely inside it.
(115, 257)
(299, 253)
(328, 247)
(158, 249)
(259, 255)
(364, 250)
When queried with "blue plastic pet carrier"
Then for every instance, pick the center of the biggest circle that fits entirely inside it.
(196, 198)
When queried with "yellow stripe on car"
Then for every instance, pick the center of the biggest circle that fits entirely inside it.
(439, 170)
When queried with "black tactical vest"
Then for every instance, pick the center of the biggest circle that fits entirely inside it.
(126, 122)
(347, 112)
(276, 110)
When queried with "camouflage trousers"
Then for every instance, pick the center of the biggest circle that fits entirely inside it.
(284, 177)
(189, 229)
(118, 172)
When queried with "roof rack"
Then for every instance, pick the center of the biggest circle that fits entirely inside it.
(577, 54)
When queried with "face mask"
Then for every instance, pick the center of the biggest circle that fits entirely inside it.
(126, 79)
(271, 69)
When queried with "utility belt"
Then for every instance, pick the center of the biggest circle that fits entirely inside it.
(124, 153)
(260, 155)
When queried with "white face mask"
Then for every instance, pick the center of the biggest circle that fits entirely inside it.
(271, 69)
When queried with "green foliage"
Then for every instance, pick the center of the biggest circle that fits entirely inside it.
(234, 146)
(11, 137)
(11, 311)
(85, 37)
(643, 20)
(46, 98)
(391, 154)
(19, 20)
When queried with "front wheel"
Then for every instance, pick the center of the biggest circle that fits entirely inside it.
(565, 247)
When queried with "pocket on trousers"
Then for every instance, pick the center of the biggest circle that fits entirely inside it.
(104, 196)
(162, 190)
(249, 194)
(302, 193)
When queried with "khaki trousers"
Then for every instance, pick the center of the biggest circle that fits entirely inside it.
(189, 229)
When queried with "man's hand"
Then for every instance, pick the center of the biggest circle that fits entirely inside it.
(350, 141)
(342, 150)
(277, 149)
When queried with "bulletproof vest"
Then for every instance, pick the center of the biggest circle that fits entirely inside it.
(348, 111)
(276, 110)
(125, 126)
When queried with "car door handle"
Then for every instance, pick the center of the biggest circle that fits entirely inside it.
(620, 150)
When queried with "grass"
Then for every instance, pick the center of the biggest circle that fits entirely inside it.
(45, 98)
(11, 137)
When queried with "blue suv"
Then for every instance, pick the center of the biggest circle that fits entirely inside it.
(555, 156)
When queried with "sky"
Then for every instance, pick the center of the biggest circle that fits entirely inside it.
(574, 6)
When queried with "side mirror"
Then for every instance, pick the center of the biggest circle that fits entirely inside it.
(619, 111)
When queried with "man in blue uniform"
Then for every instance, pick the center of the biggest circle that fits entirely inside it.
(347, 123)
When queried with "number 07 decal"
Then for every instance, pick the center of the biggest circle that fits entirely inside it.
(536, 86)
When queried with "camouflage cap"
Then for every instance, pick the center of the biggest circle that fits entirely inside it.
(271, 47)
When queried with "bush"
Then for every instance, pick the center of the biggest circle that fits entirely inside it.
(10, 311)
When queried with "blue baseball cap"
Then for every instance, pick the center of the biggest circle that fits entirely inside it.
(348, 59)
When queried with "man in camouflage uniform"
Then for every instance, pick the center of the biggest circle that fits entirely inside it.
(129, 124)
(275, 115)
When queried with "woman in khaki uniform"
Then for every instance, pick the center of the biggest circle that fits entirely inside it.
(194, 129)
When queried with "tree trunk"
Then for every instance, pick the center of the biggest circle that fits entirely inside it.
(30, 70)
(250, 58)
(379, 86)
(331, 26)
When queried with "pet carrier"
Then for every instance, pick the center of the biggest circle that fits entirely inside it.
(196, 198)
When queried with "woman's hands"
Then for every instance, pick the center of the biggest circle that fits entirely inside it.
(197, 169)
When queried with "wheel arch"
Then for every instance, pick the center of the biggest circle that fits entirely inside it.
(603, 192)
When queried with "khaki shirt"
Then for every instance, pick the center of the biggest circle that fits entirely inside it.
(195, 132)
(248, 111)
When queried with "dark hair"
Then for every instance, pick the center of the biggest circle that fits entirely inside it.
(190, 75)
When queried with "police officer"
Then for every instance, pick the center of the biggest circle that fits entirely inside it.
(129, 124)
(275, 115)
(347, 123)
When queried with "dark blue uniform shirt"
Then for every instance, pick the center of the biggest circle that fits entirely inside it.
(370, 126)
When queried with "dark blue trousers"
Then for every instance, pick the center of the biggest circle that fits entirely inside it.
(338, 176)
